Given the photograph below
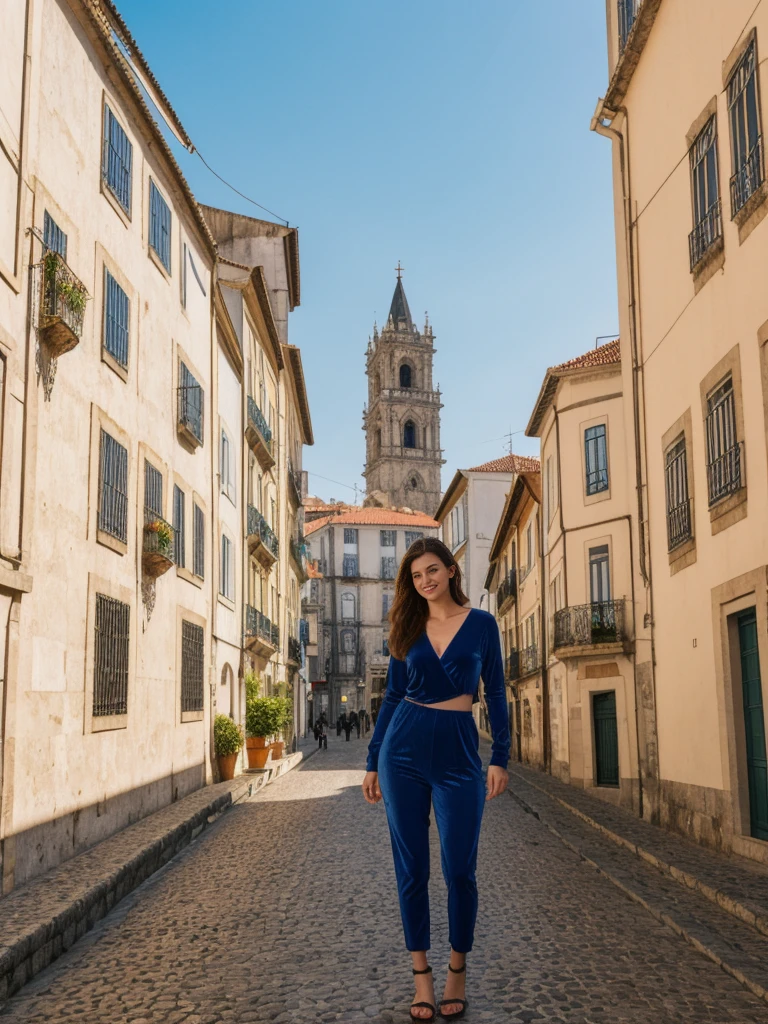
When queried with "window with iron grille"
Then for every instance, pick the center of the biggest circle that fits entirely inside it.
(411, 536)
(349, 565)
(113, 487)
(226, 576)
(190, 402)
(179, 534)
(350, 537)
(723, 448)
(153, 489)
(116, 319)
(705, 192)
(678, 501)
(192, 644)
(53, 237)
(159, 226)
(746, 140)
(198, 541)
(117, 160)
(596, 458)
(110, 669)
(388, 538)
(388, 568)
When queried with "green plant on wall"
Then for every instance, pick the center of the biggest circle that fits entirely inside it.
(72, 293)
(227, 736)
(261, 717)
(164, 533)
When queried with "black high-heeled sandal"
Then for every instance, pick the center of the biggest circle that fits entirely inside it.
(464, 1002)
(428, 1006)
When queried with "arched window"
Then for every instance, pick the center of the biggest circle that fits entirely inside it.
(347, 606)
(347, 641)
(405, 376)
(409, 434)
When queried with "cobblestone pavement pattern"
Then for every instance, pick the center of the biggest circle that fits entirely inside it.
(285, 911)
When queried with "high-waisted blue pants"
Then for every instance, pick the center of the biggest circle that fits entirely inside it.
(429, 755)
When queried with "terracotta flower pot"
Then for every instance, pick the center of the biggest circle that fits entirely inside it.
(277, 750)
(227, 766)
(258, 751)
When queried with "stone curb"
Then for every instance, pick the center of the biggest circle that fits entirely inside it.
(95, 881)
(701, 946)
(684, 878)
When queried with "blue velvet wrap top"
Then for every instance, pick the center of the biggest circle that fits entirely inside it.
(425, 678)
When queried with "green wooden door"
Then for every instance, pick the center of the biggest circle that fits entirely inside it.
(606, 739)
(754, 725)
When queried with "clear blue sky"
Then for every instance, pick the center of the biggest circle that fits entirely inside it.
(453, 137)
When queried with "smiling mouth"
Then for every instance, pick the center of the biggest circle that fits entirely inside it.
(428, 590)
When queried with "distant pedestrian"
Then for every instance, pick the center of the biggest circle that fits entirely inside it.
(374, 716)
(358, 725)
(322, 737)
(347, 727)
(338, 726)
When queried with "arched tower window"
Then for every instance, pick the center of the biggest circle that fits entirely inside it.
(409, 434)
(405, 376)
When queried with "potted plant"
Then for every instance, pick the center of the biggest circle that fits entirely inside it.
(227, 742)
(259, 723)
(283, 717)
(158, 546)
(63, 304)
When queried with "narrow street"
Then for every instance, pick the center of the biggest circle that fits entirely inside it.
(285, 910)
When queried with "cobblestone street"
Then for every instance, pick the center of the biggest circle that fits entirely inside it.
(285, 910)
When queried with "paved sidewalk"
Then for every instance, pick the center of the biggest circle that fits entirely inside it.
(734, 883)
(41, 920)
(285, 911)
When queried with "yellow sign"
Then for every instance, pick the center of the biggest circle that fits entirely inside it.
(343, 700)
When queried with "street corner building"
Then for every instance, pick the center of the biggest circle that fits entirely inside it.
(153, 418)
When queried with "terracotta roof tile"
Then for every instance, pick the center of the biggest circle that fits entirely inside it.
(508, 464)
(363, 516)
(602, 356)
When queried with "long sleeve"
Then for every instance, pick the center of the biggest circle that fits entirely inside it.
(495, 690)
(397, 681)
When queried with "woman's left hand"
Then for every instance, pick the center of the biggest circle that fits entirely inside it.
(496, 781)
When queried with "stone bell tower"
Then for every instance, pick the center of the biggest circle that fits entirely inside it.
(402, 417)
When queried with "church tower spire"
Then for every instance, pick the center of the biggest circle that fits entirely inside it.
(402, 416)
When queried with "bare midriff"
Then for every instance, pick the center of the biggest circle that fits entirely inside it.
(461, 703)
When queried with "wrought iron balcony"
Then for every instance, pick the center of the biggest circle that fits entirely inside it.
(679, 526)
(258, 435)
(294, 650)
(298, 550)
(724, 475)
(157, 553)
(190, 407)
(506, 589)
(512, 666)
(748, 178)
(260, 631)
(583, 625)
(304, 631)
(529, 660)
(261, 538)
(294, 484)
(705, 234)
(62, 299)
(628, 11)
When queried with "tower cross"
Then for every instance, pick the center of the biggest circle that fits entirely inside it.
(399, 270)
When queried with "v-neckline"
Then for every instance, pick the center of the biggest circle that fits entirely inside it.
(450, 642)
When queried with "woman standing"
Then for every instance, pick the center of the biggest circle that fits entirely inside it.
(424, 752)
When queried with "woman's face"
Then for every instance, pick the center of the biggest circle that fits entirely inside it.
(430, 577)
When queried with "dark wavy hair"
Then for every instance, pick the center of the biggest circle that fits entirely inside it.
(410, 611)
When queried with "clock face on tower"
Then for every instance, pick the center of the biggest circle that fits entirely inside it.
(402, 420)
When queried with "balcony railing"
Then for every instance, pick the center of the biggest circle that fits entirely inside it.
(259, 435)
(748, 178)
(512, 666)
(724, 475)
(157, 554)
(259, 627)
(294, 484)
(294, 650)
(299, 553)
(260, 529)
(628, 11)
(679, 525)
(62, 304)
(529, 660)
(190, 411)
(705, 234)
(582, 625)
(507, 588)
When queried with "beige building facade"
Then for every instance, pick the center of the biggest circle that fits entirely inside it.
(357, 552)
(123, 446)
(692, 245)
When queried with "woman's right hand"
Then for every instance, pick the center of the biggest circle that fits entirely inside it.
(371, 790)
